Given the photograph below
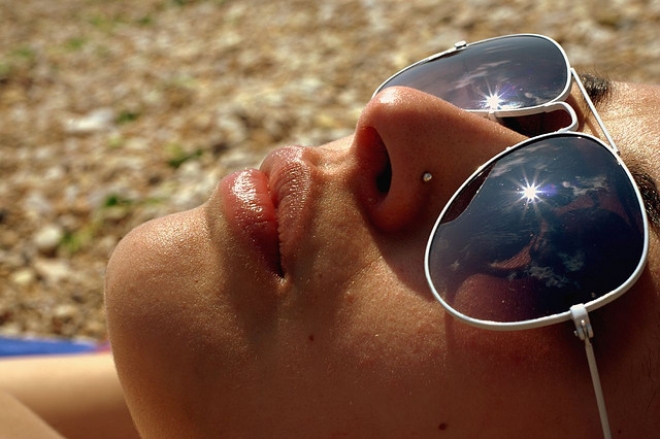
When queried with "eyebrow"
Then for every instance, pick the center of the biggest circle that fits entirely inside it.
(649, 191)
(598, 87)
(599, 90)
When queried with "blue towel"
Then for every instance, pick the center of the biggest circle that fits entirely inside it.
(13, 346)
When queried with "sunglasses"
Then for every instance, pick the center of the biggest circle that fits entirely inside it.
(555, 225)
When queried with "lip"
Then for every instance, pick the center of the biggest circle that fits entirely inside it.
(264, 208)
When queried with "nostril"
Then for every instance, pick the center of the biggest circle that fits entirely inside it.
(374, 164)
(384, 178)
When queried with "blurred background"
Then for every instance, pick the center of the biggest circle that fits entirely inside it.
(116, 112)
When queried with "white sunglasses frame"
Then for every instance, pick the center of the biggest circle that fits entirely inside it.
(558, 103)
(553, 318)
(579, 313)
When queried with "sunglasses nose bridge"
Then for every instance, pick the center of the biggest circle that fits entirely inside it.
(555, 117)
(559, 106)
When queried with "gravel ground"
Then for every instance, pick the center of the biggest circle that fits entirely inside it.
(116, 112)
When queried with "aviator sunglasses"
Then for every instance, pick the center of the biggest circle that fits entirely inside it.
(555, 225)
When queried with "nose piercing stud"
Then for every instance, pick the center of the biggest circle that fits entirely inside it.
(426, 177)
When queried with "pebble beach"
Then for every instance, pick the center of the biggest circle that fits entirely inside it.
(116, 112)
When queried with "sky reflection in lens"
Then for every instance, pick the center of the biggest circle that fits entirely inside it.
(501, 74)
(547, 226)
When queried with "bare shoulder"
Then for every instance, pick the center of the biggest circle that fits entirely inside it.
(18, 421)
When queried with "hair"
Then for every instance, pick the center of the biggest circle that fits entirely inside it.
(598, 87)
(649, 191)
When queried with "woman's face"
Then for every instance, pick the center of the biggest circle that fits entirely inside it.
(294, 304)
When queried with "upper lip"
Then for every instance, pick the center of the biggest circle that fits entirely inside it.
(289, 178)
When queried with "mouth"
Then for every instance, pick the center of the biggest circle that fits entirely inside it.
(264, 208)
(289, 177)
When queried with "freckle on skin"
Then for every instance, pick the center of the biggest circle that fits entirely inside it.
(311, 337)
(442, 426)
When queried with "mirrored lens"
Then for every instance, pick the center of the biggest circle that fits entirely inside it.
(549, 225)
(508, 73)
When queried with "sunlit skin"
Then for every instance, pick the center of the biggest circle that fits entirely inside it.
(326, 328)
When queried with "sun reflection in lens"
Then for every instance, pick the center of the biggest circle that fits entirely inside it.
(498, 98)
(493, 102)
(530, 192)
(527, 195)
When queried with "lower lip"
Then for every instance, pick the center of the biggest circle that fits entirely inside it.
(251, 214)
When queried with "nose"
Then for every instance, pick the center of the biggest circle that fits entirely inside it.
(401, 135)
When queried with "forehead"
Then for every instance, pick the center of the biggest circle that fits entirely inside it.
(631, 113)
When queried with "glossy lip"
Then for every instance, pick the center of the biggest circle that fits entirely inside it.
(265, 207)
(290, 181)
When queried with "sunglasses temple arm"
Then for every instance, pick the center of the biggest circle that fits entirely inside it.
(584, 332)
(592, 107)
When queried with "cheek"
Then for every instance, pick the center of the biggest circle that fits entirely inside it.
(411, 334)
(380, 356)
(510, 355)
(404, 349)
(336, 246)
